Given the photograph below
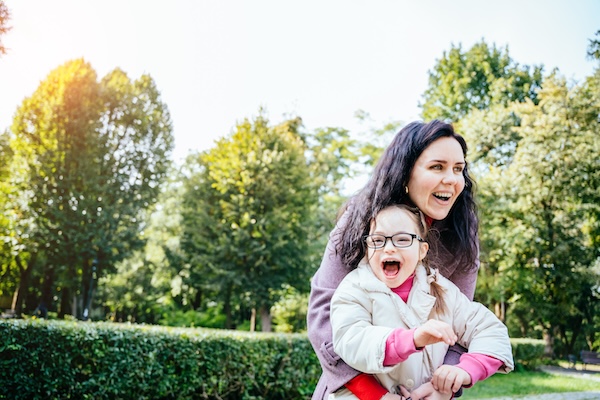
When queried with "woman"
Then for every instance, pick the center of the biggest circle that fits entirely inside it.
(423, 166)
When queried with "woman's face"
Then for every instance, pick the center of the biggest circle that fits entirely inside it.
(437, 178)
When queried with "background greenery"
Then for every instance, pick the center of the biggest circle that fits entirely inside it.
(98, 223)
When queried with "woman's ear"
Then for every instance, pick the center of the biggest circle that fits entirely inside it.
(423, 249)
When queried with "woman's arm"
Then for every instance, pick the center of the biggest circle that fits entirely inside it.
(336, 373)
(323, 284)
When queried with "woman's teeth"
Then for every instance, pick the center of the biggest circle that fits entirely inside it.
(442, 196)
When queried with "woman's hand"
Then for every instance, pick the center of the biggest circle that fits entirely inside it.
(427, 392)
(434, 331)
(404, 395)
(391, 396)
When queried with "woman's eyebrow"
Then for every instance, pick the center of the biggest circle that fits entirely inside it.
(446, 162)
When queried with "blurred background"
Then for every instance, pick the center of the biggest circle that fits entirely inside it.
(182, 164)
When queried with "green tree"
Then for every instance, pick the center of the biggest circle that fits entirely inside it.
(476, 79)
(93, 155)
(594, 47)
(248, 216)
(4, 28)
(148, 285)
(540, 209)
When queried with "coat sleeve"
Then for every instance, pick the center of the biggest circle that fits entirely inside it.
(466, 280)
(480, 331)
(355, 338)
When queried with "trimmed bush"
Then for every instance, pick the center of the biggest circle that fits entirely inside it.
(75, 360)
(79, 360)
(527, 353)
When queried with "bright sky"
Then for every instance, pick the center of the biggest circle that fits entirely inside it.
(217, 62)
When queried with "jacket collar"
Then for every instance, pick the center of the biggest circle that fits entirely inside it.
(420, 301)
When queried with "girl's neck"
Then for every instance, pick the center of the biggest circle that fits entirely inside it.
(404, 289)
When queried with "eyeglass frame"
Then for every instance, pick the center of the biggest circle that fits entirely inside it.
(412, 239)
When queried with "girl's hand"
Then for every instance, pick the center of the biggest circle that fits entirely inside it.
(434, 331)
(450, 378)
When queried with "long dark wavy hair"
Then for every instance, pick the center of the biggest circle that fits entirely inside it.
(455, 238)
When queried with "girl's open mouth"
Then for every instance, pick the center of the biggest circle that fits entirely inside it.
(391, 268)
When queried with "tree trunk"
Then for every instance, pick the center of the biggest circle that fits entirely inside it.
(227, 308)
(21, 291)
(265, 319)
(253, 320)
(47, 288)
(65, 305)
(549, 340)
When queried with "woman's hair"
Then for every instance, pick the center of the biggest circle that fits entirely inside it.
(457, 233)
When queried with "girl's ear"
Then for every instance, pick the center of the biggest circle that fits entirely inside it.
(423, 249)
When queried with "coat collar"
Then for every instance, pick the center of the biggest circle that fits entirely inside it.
(420, 301)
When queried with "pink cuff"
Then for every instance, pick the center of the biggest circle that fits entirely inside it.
(479, 366)
(399, 345)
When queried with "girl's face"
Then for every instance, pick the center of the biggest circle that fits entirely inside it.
(393, 265)
(437, 178)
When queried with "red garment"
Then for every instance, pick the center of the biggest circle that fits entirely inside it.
(366, 387)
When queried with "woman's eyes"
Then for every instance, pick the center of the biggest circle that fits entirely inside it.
(439, 167)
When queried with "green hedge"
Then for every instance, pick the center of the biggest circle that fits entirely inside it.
(75, 360)
(527, 353)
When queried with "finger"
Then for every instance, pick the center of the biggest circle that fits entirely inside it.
(404, 392)
(419, 393)
(456, 387)
(443, 385)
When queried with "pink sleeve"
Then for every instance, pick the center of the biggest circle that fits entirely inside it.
(479, 366)
(399, 345)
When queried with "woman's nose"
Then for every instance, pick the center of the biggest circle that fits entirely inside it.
(450, 178)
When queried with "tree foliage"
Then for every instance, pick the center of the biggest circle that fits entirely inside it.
(539, 175)
(89, 156)
(476, 79)
(533, 146)
(248, 215)
(4, 28)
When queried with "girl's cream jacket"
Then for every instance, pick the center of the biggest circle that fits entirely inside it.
(364, 311)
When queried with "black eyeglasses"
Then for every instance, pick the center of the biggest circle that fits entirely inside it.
(399, 240)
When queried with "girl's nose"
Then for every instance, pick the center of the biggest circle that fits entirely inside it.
(389, 246)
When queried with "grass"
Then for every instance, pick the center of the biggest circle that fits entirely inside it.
(518, 384)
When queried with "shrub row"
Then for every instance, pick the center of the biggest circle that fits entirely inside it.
(527, 353)
(74, 360)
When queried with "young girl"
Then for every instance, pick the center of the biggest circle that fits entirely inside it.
(394, 316)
